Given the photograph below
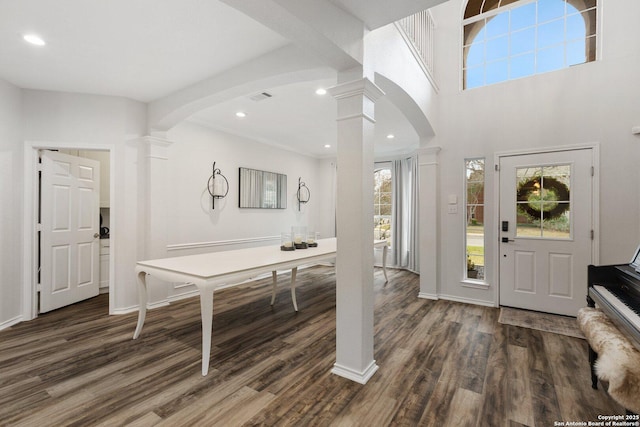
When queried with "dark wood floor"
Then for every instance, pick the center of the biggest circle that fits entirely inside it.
(441, 363)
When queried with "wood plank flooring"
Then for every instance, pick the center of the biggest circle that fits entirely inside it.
(441, 363)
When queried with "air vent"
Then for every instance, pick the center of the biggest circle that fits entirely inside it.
(261, 96)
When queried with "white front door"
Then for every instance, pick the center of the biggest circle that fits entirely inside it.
(546, 208)
(70, 222)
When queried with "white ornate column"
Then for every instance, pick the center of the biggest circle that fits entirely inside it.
(154, 156)
(428, 162)
(354, 263)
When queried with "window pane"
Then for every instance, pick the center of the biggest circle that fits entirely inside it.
(575, 27)
(474, 247)
(382, 204)
(550, 9)
(550, 59)
(559, 227)
(522, 66)
(474, 32)
(523, 41)
(551, 33)
(523, 16)
(474, 77)
(497, 71)
(590, 22)
(498, 25)
(474, 55)
(576, 53)
(497, 48)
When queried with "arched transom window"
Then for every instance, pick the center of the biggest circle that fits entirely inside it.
(510, 39)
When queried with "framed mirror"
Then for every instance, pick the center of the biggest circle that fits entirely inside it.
(262, 189)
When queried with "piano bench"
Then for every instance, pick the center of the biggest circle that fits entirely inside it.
(612, 357)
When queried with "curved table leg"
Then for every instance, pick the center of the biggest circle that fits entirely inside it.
(142, 300)
(294, 271)
(206, 312)
(274, 275)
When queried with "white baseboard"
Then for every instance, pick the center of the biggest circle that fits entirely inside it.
(425, 295)
(350, 374)
(467, 300)
(8, 323)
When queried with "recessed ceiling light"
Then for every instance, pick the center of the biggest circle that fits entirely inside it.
(391, 136)
(321, 91)
(327, 145)
(241, 114)
(34, 39)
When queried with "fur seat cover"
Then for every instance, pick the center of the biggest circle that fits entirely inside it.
(618, 360)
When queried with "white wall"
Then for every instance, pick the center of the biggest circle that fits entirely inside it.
(192, 220)
(595, 102)
(91, 121)
(10, 204)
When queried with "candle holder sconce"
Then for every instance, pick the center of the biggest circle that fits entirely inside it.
(218, 186)
(303, 193)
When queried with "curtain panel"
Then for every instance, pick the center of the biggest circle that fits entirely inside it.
(405, 233)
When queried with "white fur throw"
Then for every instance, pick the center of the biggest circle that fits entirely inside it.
(618, 360)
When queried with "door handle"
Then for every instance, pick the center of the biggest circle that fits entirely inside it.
(96, 235)
(506, 240)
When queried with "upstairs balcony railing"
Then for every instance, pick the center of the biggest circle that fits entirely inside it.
(418, 30)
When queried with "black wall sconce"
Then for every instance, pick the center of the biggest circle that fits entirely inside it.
(217, 185)
(303, 193)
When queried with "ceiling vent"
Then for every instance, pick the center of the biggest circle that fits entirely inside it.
(261, 96)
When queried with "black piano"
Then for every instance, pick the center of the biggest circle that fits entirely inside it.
(616, 291)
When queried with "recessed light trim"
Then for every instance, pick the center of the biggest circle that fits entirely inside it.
(327, 145)
(391, 136)
(34, 39)
(241, 114)
(321, 91)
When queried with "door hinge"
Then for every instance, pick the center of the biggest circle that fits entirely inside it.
(38, 227)
(497, 167)
(593, 171)
(592, 234)
(39, 287)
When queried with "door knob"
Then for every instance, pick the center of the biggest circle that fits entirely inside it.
(96, 235)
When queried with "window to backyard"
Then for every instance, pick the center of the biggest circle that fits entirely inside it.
(382, 200)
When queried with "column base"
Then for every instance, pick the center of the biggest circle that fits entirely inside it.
(350, 374)
(426, 295)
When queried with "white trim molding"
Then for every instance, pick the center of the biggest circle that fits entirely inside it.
(350, 374)
(10, 322)
(469, 300)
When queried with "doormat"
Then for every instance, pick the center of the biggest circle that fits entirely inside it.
(546, 322)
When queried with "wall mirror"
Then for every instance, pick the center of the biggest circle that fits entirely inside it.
(262, 189)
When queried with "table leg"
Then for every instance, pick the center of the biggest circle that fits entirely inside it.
(142, 300)
(274, 276)
(206, 312)
(385, 249)
(294, 271)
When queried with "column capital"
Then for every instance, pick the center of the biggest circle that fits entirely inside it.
(360, 87)
(156, 146)
(428, 155)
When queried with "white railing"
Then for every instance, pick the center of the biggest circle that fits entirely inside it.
(418, 30)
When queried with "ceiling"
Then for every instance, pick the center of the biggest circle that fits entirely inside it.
(148, 49)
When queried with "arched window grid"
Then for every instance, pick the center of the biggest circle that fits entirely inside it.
(542, 50)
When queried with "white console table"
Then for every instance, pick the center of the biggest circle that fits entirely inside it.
(218, 270)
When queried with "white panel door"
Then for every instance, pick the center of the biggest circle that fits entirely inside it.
(546, 205)
(70, 222)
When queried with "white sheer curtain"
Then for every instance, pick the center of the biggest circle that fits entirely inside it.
(404, 230)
